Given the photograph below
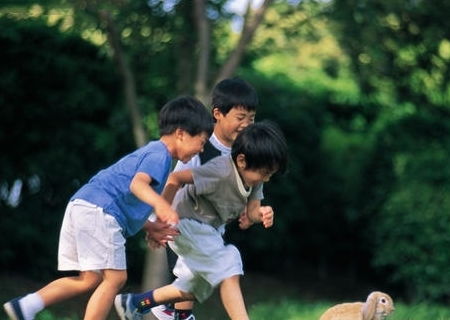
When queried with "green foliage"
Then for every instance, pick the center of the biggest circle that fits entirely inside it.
(412, 227)
(61, 122)
(412, 238)
(399, 49)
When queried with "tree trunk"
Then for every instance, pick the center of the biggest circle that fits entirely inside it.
(185, 49)
(140, 136)
(155, 268)
(251, 23)
(203, 31)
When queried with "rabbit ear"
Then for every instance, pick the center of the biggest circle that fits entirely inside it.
(370, 306)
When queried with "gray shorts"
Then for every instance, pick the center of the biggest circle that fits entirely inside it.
(204, 261)
(90, 239)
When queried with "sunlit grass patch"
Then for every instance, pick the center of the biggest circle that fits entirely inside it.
(300, 310)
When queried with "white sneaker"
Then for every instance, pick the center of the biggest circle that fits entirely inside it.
(125, 309)
(163, 312)
(13, 309)
(166, 312)
(183, 316)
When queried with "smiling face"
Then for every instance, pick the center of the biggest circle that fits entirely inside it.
(188, 145)
(228, 126)
(252, 177)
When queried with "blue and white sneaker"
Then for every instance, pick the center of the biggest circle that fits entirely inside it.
(184, 316)
(13, 309)
(163, 312)
(125, 308)
(167, 312)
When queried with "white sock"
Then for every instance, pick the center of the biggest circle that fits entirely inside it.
(30, 305)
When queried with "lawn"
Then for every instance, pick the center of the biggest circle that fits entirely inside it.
(300, 310)
(267, 299)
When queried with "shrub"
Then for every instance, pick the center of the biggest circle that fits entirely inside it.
(412, 229)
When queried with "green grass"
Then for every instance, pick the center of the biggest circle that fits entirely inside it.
(266, 298)
(299, 310)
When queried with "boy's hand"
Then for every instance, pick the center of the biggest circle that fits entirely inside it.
(244, 221)
(267, 216)
(159, 233)
(166, 214)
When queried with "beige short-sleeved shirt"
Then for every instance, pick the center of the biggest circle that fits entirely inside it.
(217, 195)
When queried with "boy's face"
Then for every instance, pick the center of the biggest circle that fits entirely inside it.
(228, 126)
(252, 177)
(188, 146)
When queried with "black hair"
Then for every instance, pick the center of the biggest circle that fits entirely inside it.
(185, 113)
(234, 92)
(263, 145)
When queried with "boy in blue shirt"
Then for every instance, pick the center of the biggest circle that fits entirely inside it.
(114, 205)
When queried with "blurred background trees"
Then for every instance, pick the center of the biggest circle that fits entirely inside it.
(360, 89)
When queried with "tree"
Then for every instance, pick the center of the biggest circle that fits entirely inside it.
(399, 50)
(58, 96)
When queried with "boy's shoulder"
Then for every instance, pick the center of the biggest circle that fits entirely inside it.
(209, 152)
(217, 169)
(155, 150)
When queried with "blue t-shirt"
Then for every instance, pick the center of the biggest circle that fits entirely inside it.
(110, 188)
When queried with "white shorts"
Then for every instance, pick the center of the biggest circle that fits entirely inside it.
(90, 239)
(204, 260)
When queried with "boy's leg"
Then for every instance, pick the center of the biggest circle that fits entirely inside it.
(170, 293)
(68, 287)
(167, 311)
(232, 298)
(128, 304)
(102, 299)
(56, 291)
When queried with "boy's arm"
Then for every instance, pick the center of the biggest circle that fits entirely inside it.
(158, 233)
(140, 187)
(175, 181)
(255, 213)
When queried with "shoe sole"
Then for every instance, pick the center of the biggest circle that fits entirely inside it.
(10, 311)
(160, 315)
(119, 309)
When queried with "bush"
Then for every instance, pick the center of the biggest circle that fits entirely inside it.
(60, 124)
(412, 229)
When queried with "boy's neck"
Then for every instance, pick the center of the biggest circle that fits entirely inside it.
(169, 142)
(221, 139)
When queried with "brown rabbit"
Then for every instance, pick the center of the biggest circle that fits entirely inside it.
(377, 307)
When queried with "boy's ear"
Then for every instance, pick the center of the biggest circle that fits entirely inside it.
(216, 113)
(240, 161)
(179, 133)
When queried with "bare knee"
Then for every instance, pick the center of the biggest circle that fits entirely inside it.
(115, 278)
(90, 279)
